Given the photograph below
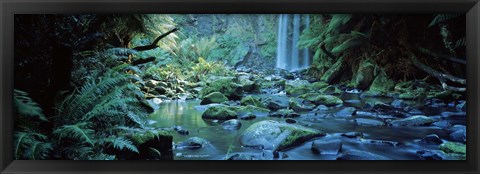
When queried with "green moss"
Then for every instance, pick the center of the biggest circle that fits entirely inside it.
(214, 97)
(143, 137)
(318, 99)
(334, 71)
(242, 110)
(220, 113)
(453, 147)
(250, 100)
(381, 85)
(297, 136)
(225, 86)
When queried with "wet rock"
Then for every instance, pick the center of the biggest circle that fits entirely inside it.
(232, 124)
(248, 156)
(320, 108)
(444, 124)
(297, 87)
(219, 113)
(248, 117)
(360, 155)
(214, 97)
(457, 127)
(331, 90)
(284, 113)
(320, 99)
(291, 121)
(453, 147)
(352, 135)
(346, 112)
(275, 102)
(246, 110)
(431, 139)
(435, 103)
(326, 147)
(300, 105)
(418, 120)
(459, 135)
(248, 85)
(380, 86)
(399, 104)
(193, 143)
(369, 122)
(250, 100)
(382, 107)
(274, 135)
(381, 142)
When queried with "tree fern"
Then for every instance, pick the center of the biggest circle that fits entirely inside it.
(76, 132)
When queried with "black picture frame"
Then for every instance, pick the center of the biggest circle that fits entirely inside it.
(10, 7)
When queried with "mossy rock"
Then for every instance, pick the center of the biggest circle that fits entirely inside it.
(284, 113)
(220, 113)
(249, 109)
(364, 76)
(331, 90)
(319, 85)
(250, 100)
(151, 144)
(321, 99)
(334, 72)
(275, 135)
(140, 138)
(300, 105)
(380, 86)
(214, 97)
(226, 86)
(297, 87)
(454, 147)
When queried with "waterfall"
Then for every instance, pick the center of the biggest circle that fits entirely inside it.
(289, 57)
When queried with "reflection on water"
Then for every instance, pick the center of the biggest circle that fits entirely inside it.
(188, 115)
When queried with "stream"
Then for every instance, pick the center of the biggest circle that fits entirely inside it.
(224, 142)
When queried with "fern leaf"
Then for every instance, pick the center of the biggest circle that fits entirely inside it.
(441, 18)
(76, 132)
(25, 106)
(122, 143)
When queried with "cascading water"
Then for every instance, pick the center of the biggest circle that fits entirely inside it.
(289, 57)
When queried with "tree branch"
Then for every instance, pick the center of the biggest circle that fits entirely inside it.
(453, 59)
(153, 45)
(440, 76)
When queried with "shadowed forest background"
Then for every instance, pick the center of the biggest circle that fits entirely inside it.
(240, 87)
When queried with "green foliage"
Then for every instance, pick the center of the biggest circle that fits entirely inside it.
(121, 143)
(25, 106)
(31, 145)
(78, 132)
(204, 69)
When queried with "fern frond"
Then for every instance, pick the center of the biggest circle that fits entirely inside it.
(441, 18)
(76, 132)
(25, 106)
(121, 143)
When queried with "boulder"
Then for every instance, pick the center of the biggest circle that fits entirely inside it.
(418, 120)
(219, 113)
(369, 122)
(320, 99)
(459, 136)
(250, 100)
(431, 139)
(300, 105)
(232, 124)
(326, 147)
(364, 75)
(453, 147)
(352, 135)
(248, 117)
(214, 97)
(224, 85)
(275, 135)
(297, 87)
(380, 86)
(275, 102)
(346, 112)
(291, 121)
